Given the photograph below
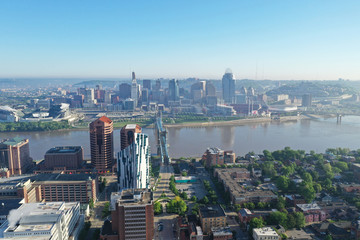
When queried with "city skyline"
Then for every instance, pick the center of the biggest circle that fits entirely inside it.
(258, 40)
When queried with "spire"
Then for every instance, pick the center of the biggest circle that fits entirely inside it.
(133, 76)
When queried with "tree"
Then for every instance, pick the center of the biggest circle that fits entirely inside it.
(193, 198)
(282, 183)
(280, 203)
(184, 173)
(268, 156)
(205, 200)
(317, 187)
(290, 223)
(184, 195)
(299, 219)
(106, 210)
(307, 191)
(328, 237)
(158, 208)
(342, 165)
(195, 209)
(91, 203)
(307, 177)
(256, 223)
(276, 218)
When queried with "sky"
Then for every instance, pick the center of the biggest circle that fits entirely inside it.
(257, 39)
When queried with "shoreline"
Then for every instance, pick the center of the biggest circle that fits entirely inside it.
(239, 122)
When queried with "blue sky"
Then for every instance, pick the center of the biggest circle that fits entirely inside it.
(267, 39)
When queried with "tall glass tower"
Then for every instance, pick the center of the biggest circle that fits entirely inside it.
(228, 86)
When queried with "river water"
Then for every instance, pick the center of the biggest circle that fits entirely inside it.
(317, 135)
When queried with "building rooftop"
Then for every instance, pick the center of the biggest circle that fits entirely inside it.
(64, 150)
(139, 196)
(62, 177)
(14, 141)
(265, 231)
(308, 207)
(214, 150)
(42, 217)
(212, 211)
(105, 119)
(218, 232)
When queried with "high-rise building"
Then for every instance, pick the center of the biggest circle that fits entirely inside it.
(306, 100)
(174, 94)
(228, 85)
(51, 220)
(134, 88)
(102, 143)
(147, 84)
(89, 95)
(69, 157)
(15, 155)
(133, 158)
(125, 91)
(132, 215)
(145, 96)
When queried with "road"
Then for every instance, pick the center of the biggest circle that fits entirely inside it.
(204, 175)
(163, 183)
(167, 233)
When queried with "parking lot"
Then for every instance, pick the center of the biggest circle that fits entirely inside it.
(191, 189)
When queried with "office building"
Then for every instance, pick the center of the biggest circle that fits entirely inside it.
(133, 158)
(125, 91)
(145, 96)
(306, 100)
(51, 187)
(132, 215)
(102, 144)
(53, 220)
(15, 155)
(265, 233)
(212, 217)
(228, 87)
(134, 88)
(89, 96)
(174, 94)
(147, 84)
(64, 158)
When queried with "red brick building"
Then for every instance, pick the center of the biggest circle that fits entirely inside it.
(15, 155)
(102, 144)
(132, 215)
(216, 156)
(65, 158)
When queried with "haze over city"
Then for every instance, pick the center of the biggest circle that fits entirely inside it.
(279, 40)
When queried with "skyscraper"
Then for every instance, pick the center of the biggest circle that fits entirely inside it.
(102, 143)
(228, 85)
(15, 155)
(133, 158)
(134, 88)
(147, 84)
(174, 94)
(306, 100)
(125, 91)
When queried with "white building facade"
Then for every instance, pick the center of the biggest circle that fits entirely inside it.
(51, 220)
(133, 163)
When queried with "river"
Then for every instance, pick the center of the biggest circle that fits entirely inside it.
(317, 135)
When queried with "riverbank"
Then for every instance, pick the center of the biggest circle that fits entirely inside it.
(238, 122)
